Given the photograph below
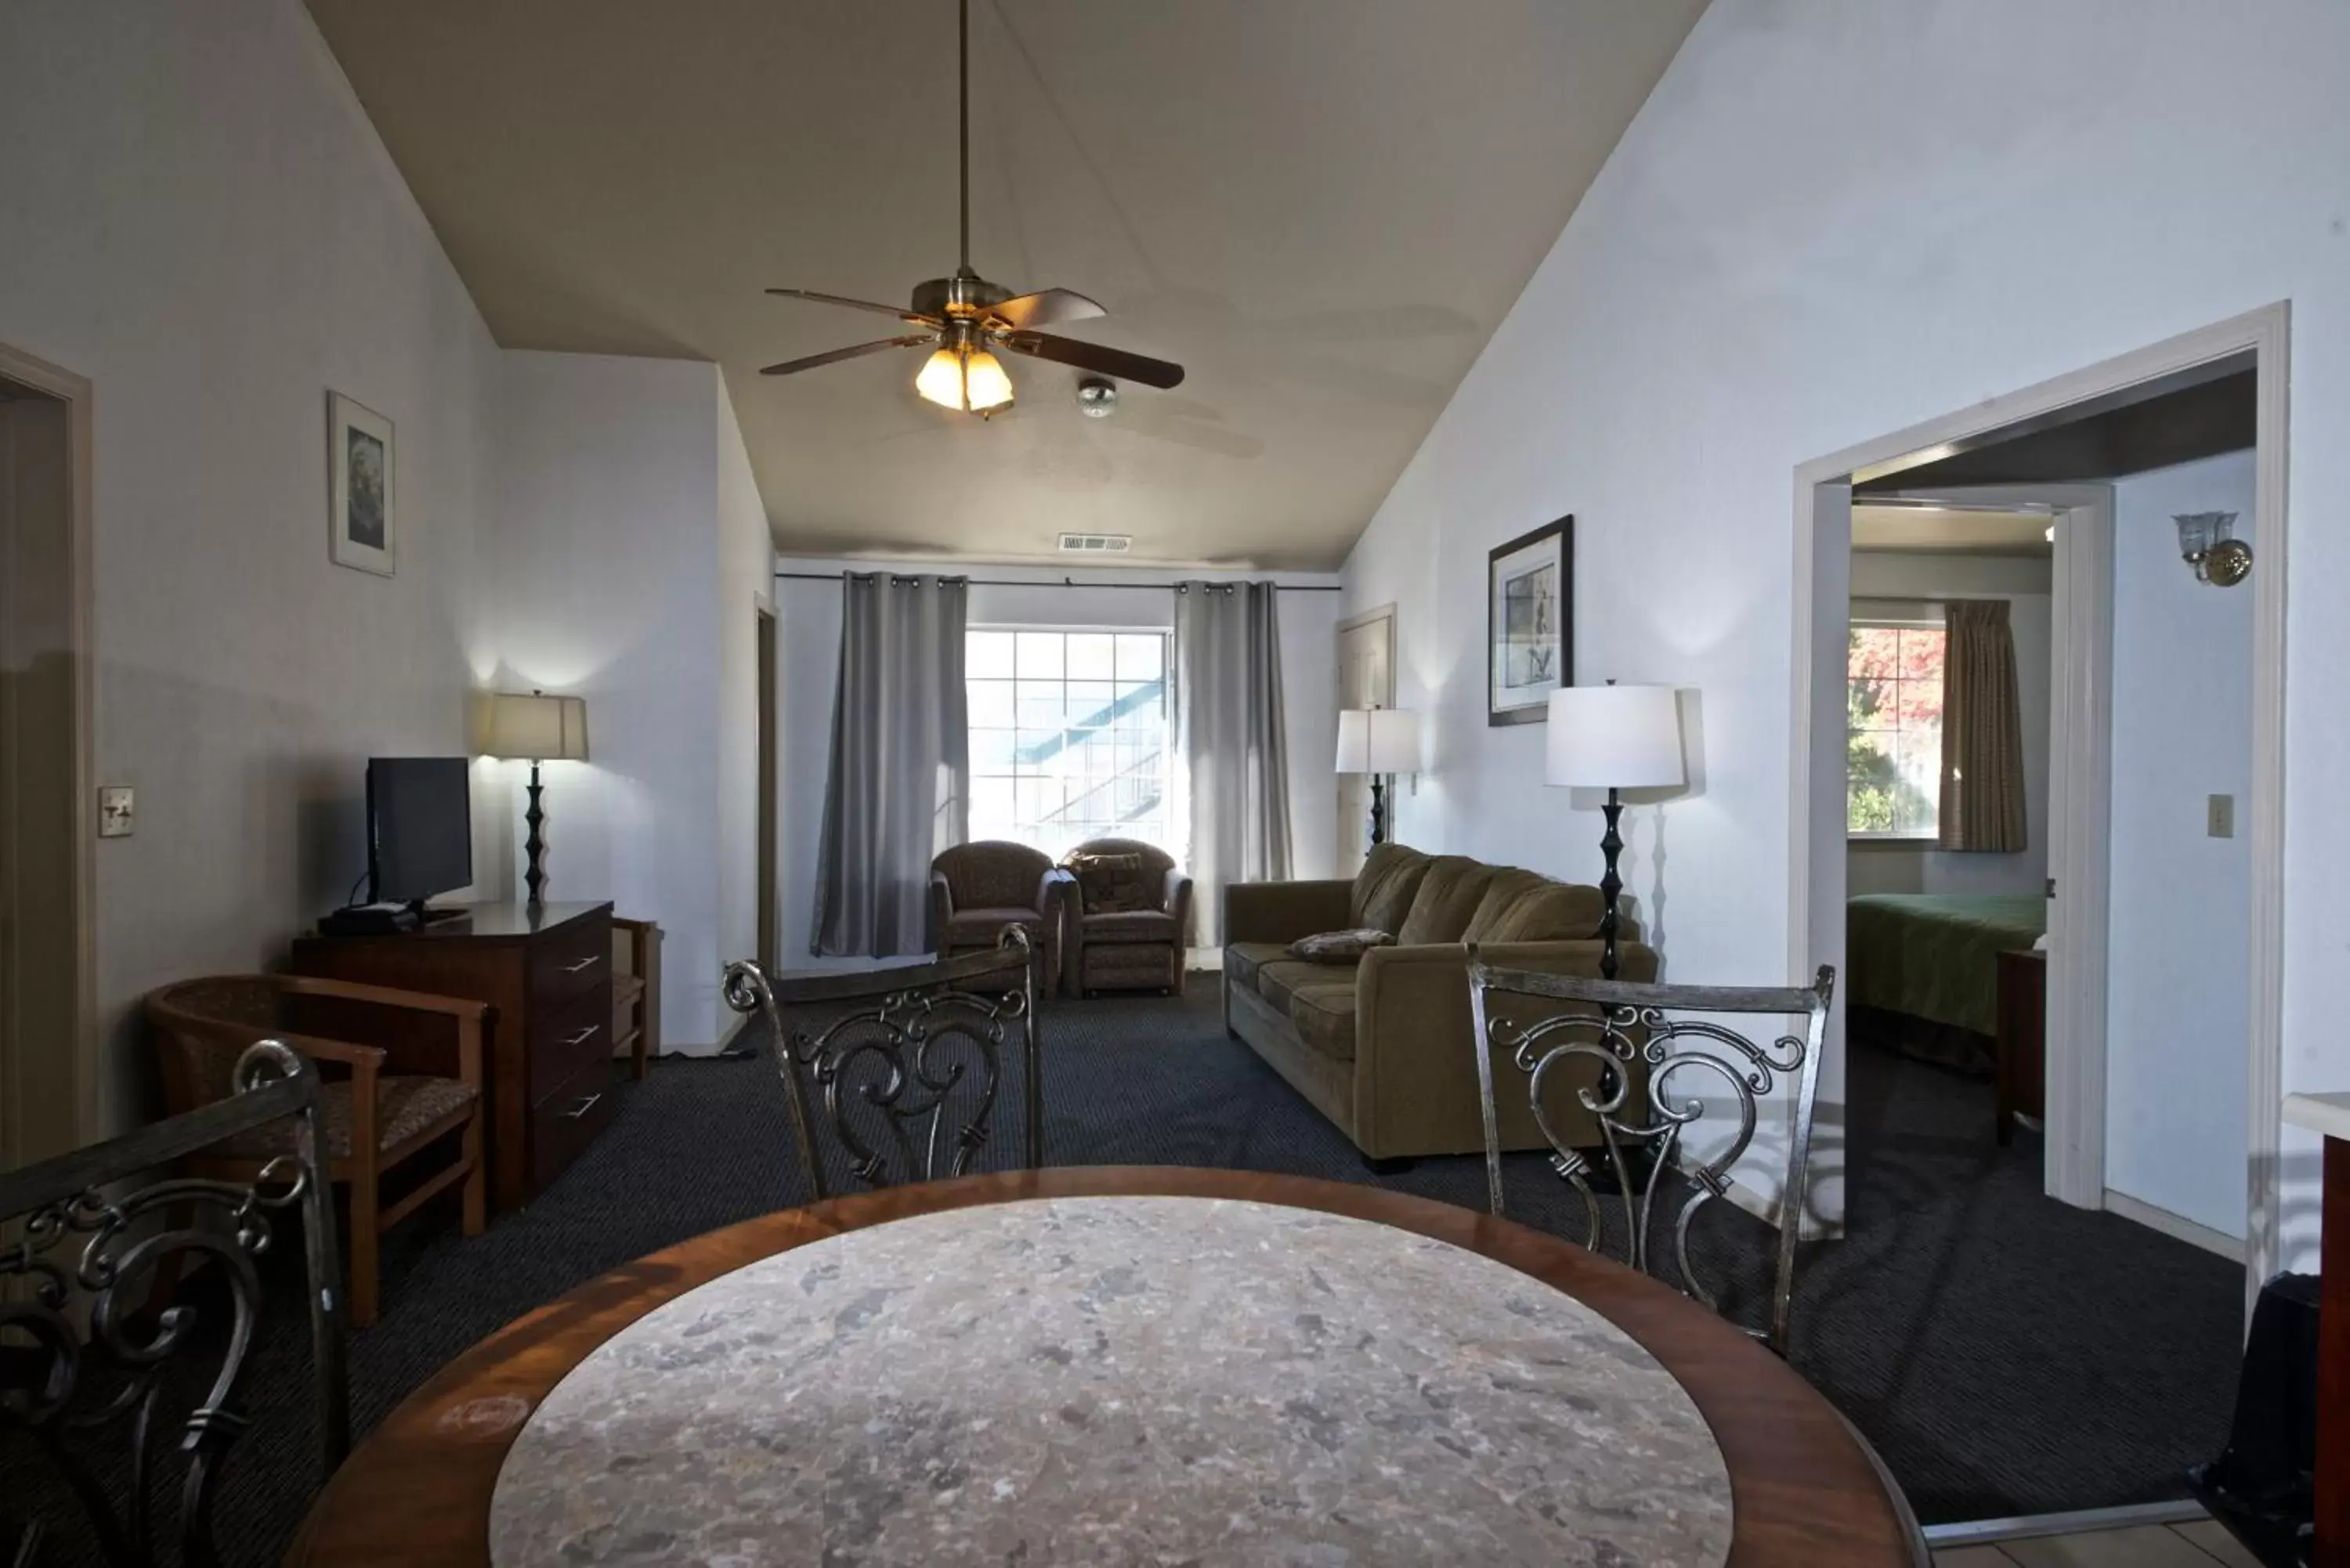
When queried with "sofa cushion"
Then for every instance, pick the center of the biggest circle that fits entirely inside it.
(1243, 959)
(1384, 887)
(1508, 886)
(1448, 895)
(1130, 926)
(1280, 981)
(1323, 1013)
(1554, 912)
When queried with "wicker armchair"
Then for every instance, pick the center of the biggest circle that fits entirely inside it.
(1130, 930)
(408, 1073)
(977, 890)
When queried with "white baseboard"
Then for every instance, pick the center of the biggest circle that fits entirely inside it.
(2176, 1226)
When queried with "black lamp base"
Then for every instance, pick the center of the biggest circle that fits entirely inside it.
(1611, 886)
(1379, 811)
(534, 875)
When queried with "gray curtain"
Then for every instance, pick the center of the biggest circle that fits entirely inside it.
(1983, 733)
(1229, 736)
(901, 782)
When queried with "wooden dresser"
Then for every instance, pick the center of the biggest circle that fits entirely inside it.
(548, 1063)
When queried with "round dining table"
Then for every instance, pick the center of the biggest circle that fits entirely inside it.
(1116, 1365)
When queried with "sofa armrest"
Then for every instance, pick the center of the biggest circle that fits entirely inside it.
(1415, 1079)
(1284, 911)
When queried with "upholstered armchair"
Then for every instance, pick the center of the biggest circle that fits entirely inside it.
(977, 890)
(1127, 916)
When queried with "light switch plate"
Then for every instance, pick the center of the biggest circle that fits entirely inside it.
(2220, 817)
(117, 804)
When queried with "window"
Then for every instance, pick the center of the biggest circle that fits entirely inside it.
(1893, 750)
(1068, 735)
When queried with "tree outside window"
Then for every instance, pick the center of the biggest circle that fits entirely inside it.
(1893, 750)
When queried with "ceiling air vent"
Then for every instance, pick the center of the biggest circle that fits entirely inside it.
(1096, 543)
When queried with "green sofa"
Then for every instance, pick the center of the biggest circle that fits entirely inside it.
(1381, 1046)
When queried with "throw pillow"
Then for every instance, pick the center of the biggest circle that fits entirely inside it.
(1339, 947)
(1112, 883)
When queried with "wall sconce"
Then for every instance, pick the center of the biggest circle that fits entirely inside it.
(2208, 541)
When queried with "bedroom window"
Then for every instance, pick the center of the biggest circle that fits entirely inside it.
(1893, 751)
(1068, 734)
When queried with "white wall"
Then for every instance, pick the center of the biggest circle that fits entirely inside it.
(808, 648)
(621, 577)
(195, 214)
(2180, 924)
(1887, 581)
(1719, 310)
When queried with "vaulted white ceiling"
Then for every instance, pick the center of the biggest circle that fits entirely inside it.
(1321, 208)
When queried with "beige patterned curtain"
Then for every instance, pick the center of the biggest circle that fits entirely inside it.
(1983, 733)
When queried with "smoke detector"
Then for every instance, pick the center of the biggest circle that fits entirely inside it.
(1096, 543)
(1098, 396)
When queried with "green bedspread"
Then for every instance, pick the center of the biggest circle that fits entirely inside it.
(1935, 955)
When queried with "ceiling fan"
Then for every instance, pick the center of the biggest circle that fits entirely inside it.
(963, 317)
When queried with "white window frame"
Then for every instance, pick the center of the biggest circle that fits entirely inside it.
(1932, 617)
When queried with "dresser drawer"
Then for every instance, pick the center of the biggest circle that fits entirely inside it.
(567, 961)
(565, 1037)
(567, 1120)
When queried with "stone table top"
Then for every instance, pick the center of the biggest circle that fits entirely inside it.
(1117, 1380)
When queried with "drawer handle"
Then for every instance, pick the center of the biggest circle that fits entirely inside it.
(590, 961)
(583, 1107)
(584, 1035)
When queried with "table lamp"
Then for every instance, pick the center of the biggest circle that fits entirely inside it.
(1613, 738)
(544, 728)
(1379, 741)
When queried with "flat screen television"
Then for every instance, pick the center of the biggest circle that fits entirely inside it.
(420, 828)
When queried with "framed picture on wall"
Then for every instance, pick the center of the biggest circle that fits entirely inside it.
(362, 516)
(1529, 623)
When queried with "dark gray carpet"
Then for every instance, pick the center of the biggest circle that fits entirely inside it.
(2007, 1354)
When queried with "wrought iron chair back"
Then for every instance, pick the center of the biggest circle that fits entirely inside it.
(903, 1067)
(87, 1365)
(1544, 1021)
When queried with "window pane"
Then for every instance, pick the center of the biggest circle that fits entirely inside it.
(1092, 655)
(1091, 701)
(987, 655)
(1921, 654)
(991, 751)
(988, 703)
(1874, 652)
(1040, 654)
(1141, 656)
(1872, 704)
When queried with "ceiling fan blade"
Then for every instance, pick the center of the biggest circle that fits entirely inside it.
(900, 311)
(1096, 358)
(1045, 307)
(835, 355)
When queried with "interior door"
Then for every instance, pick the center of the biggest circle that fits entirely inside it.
(1366, 680)
(770, 938)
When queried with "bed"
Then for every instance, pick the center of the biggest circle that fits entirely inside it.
(1935, 956)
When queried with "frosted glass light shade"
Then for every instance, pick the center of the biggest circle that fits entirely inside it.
(532, 725)
(1379, 740)
(1614, 737)
(975, 383)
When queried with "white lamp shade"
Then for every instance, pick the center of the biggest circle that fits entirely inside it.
(1614, 737)
(1379, 740)
(540, 728)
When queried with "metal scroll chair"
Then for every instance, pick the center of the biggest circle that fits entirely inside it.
(103, 1341)
(1689, 1059)
(905, 1064)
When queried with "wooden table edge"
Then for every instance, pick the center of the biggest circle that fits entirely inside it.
(1805, 1492)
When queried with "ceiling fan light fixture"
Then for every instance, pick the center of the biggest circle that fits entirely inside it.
(966, 381)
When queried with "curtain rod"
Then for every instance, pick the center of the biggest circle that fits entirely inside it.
(1064, 583)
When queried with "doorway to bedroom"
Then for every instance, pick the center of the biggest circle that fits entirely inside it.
(2039, 726)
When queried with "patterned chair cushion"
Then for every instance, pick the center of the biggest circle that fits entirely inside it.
(1339, 947)
(404, 1108)
(984, 928)
(1129, 925)
(1111, 884)
(993, 873)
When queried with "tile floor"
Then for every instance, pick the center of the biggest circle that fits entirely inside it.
(2201, 1544)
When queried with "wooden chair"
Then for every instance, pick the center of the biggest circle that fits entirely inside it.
(1542, 1023)
(408, 1072)
(87, 1379)
(904, 1064)
(636, 991)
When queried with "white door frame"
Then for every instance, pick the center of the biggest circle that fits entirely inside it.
(1823, 530)
(81, 902)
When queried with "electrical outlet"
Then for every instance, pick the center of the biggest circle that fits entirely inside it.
(117, 811)
(2221, 816)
